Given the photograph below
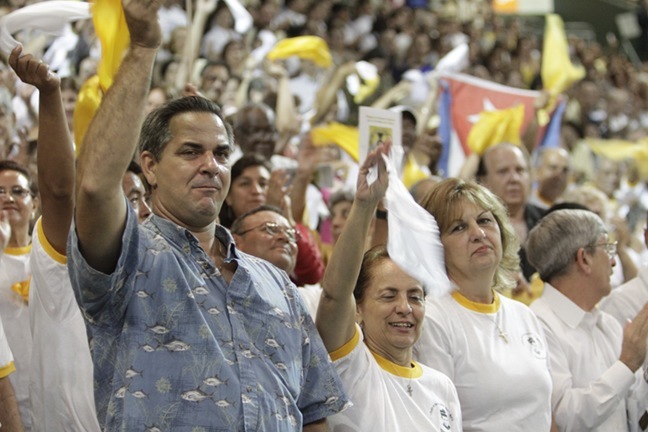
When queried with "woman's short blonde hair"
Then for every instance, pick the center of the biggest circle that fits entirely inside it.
(445, 202)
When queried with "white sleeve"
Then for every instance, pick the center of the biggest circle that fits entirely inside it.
(6, 358)
(578, 409)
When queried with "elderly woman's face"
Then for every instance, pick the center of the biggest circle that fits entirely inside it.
(472, 241)
(392, 310)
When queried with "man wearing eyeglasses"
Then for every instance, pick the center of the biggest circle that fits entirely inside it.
(596, 365)
(265, 233)
(189, 333)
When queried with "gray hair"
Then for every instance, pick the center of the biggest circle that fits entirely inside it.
(552, 244)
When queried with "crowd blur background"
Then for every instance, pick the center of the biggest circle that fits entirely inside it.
(207, 44)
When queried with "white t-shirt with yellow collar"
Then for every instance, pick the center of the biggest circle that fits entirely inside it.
(6, 358)
(14, 288)
(496, 355)
(61, 380)
(391, 398)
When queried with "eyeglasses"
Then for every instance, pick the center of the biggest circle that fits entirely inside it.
(274, 229)
(610, 248)
(14, 191)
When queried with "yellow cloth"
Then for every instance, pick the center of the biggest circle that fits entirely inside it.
(494, 127)
(307, 47)
(558, 72)
(536, 286)
(412, 172)
(618, 150)
(112, 31)
(346, 137)
(22, 289)
(505, 6)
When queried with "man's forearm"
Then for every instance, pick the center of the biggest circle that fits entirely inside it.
(112, 136)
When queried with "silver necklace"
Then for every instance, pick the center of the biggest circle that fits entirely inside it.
(501, 333)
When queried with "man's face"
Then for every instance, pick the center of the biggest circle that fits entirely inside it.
(214, 79)
(602, 264)
(553, 171)
(136, 195)
(272, 245)
(507, 175)
(192, 177)
(608, 177)
(257, 134)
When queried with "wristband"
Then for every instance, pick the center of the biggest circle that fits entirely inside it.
(381, 214)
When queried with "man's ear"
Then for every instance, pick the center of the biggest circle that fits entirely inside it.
(238, 240)
(149, 167)
(584, 261)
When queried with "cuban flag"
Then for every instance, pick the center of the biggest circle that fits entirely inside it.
(464, 97)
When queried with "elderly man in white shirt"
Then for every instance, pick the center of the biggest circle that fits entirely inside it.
(596, 365)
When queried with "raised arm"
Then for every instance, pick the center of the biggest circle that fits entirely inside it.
(111, 140)
(327, 94)
(55, 152)
(337, 308)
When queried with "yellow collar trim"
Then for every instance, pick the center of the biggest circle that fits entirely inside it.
(47, 246)
(346, 349)
(477, 307)
(17, 251)
(415, 371)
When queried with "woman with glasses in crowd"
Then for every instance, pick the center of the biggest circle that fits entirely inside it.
(19, 205)
(370, 315)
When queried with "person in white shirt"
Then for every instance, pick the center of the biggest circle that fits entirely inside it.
(598, 384)
(19, 203)
(389, 391)
(9, 414)
(492, 348)
(624, 302)
(60, 378)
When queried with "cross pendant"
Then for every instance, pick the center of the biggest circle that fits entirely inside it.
(503, 335)
(409, 390)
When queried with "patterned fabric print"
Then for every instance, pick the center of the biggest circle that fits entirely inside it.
(175, 349)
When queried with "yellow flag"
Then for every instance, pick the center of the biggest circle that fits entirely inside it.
(112, 31)
(412, 173)
(345, 137)
(307, 47)
(619, 150)
(494, 127)
(505, 6)
(558, 72)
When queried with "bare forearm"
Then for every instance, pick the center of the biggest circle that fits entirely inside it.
(9, 414)
(108, 148)
(298, 194)
(112, 136)
(55, 169)
(336, 311)
(285, 109)
(318, 426)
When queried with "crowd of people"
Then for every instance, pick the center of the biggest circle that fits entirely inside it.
(200, 260)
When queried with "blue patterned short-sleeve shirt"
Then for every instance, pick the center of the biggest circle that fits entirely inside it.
(176, 348)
